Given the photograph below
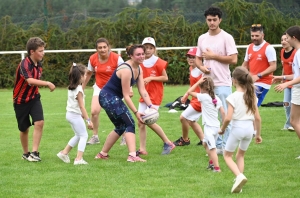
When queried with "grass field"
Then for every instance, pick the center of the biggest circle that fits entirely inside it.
(270, 167)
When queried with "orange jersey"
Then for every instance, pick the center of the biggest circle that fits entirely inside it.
(195, 102)
(287, 63)
(155, 89)
(258, 62)
(103, 71)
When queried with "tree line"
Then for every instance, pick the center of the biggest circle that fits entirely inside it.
(131, 25)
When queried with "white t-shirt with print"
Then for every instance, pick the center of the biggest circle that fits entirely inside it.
(296, 67)
(210, 112)
(72, 102)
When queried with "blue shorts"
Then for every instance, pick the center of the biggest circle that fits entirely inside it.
(260, 94)
(117, 112)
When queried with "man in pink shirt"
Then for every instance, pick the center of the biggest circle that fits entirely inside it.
(216, 50)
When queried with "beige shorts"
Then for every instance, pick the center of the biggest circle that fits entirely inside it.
(96, 90)
(295, 95)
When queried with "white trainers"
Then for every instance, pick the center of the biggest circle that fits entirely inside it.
(93, 140)
(240, 181)
(298, 157)
(79, 162)
(63, 157)
(123, 141)
(291, 128)
(219, 151)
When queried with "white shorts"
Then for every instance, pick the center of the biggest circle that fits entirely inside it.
(210, 136)
(96, 90)
(143, 107)
(296, 95)
(241, 134)
(191, 114)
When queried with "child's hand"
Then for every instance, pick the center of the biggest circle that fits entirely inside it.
(90, 125)
(51, 86)
(221, 132)
(258, 139)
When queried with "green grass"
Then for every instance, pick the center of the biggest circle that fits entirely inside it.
(270, 167)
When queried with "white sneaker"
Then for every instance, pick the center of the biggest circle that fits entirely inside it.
(240, 181)
(298, 157)
(123, 141)
(63, 157)
(93, 140)
(219, 151)
(291, 128)
(78, 162)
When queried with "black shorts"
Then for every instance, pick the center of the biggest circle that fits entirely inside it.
(33, 109)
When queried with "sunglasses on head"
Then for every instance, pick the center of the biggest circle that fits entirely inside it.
(256, 25)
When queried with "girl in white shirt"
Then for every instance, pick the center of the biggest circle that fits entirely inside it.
(242, 111)
(211, 105)
(75, 112)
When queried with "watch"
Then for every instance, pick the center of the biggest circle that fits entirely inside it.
(259, 75)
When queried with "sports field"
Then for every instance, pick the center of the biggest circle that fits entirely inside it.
(270, 167)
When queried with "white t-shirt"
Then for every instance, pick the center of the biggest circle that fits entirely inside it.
(239, 107)
(296, 67)
(195, 72)
(209, 111)
(221, 44)
(72, 102)
(148, 63)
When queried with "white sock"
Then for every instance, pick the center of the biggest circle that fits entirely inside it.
(133, 154)
(96, 136)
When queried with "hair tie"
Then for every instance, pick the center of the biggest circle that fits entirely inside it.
(74, 65)
(215, 101)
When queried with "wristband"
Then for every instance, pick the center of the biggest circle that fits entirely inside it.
(284, 77)
(149, 106)
(259, 75)
(88, 120)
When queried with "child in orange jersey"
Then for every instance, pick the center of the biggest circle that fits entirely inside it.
(103, 63)
(191, 115)
(154, 70)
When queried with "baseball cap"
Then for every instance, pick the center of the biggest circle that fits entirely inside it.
(149, 40)
(192, 51)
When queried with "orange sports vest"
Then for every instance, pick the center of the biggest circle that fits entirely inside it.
(195, 103)
(155, 89)
(258, 62)
(287, 63)
(103, 71)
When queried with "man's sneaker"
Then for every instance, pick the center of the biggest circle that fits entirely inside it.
(123, 141)
(63, 157)
(135, 159)
(79, 162)
(219, 151)
(167, 148)
(181, 142)
(25, 156)
(93, 140)
(139, 152)
(34, 157)
(240, 181)
(210, 166)
(199, 143)
(100, 156)
(291, 128)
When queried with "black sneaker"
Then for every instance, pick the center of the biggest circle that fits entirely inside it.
(34, 157)
(25, 156)
(199, 143)
(210, 167)
(181, 142)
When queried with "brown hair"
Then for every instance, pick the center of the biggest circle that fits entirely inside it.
(208, 86)
(244, 79)
(130, 49)
(102, 40)
(75, 74)
(34, 43)
(294, 31)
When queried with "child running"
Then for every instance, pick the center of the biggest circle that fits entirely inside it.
(190, 116)
(75, 112)
(242, 111)
(154, 73)
(211, 105)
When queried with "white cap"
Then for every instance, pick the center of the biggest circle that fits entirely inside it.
(149, 40)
